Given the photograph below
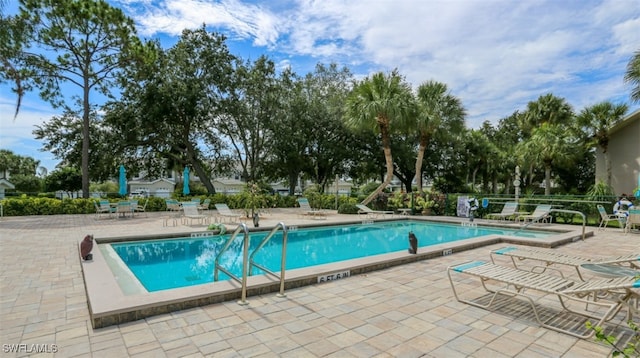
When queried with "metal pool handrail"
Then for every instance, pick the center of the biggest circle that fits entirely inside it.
(242, 227)
(584, 219)
(283, 260)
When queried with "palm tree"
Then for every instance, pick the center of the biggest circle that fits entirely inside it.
(596, 121)
(546, 109)
(548, 144)
(437, 110)
(480, 152)
(374, 104)
(633, 76)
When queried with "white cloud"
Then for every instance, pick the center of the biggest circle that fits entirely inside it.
(170, 17)
(627, 35)
(17, 135)
(496, 55)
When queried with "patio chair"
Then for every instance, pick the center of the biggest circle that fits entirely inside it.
(605, 218)
(612, 294)
(190, 213)
(224, 212)
(142, 208)
(540, 214)
(508, 211)
(633, 220)
(134, 206)
(205, 204)
(370, 213)
(102, 209)
(551, 257)
(173, 205)
(124, 208)
(307, 210)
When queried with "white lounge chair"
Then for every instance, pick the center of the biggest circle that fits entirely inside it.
(205, 204)
(540, 214)
(307, 210)
(190, 213)
(224, 212)
(508, 211)
(612, 294)
(142, 208)
(551, 257)
(372, 214)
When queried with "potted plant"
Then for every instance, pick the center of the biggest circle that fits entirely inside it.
(252, 200)
(424, 205)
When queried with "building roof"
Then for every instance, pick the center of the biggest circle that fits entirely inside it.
(150, 182)
(229, 181)
(4, 183)
(631, 118)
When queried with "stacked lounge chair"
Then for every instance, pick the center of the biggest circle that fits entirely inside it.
(612, 294)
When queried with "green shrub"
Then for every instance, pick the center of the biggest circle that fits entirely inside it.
(288, 201)
(154, 204)
(600, 191)
(368, 188)
(24, 206)
(348, 208)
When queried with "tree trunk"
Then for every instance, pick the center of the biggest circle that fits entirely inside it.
(473, 179)
(547, 179)
(407, 184)
(423, 145)
(85, 140)
(197, 167)
(607, 165)
(204, 177)
(293, 181)
(386, 146)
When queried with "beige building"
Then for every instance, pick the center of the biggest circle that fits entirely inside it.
(160, 187)
(624, 154)
(228, 185)
(5, 183)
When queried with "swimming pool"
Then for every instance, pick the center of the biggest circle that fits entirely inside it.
(168, 264)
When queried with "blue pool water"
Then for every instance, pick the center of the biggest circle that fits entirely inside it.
(173, 263)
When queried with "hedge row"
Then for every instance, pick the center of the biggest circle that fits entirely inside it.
(25, 206)
(446, 204)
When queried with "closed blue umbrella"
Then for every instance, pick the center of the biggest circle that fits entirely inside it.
(122, 181)
(185, 188)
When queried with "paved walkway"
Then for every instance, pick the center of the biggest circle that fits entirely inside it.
(405, 311)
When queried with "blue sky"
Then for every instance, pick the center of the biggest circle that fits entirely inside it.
(495, 55)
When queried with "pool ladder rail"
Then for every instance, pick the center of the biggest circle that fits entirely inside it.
(584, 220)
(249, 261)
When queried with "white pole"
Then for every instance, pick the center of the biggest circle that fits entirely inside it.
(337, 179)
(516, 182)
